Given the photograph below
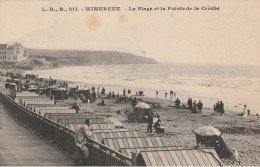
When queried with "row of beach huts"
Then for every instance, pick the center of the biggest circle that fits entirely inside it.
(110, 145)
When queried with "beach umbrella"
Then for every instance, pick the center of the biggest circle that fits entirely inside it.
(207, 131)
(143, 105)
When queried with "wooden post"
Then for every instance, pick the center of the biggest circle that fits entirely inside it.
(134, 156)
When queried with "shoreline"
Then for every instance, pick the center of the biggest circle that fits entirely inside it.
(200, 87)
(119, 88)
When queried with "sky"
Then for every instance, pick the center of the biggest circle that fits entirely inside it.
(230, 35)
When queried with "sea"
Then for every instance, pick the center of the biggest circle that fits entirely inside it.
(234, 85)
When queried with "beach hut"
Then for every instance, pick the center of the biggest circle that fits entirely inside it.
(178, 157)
(98, 136)
(84, 91)
(11, 86)
(140, 110)
(72, 91)
(31, 87)
(208, 136)
(93, 126)
(134, 142)
(59, 93)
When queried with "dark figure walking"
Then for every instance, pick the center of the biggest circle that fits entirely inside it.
(150, 123)
(200, 106)
(221, 106)
(190, 103)
(103, 92)
(76, 107)
(124, 93)
(134, 102)
(171, 94)
(177, 103)
(218, 107)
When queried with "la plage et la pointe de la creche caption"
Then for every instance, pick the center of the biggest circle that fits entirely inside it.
(75, 9)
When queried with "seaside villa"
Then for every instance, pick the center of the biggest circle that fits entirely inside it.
(15, 56)
(12, 54)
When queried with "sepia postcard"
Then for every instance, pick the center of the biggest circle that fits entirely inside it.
(129, 82)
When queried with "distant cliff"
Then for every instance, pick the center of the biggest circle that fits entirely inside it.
(82, 58)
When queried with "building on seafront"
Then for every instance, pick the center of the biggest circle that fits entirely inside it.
(12, 54)
(33, 63)
(15, 56)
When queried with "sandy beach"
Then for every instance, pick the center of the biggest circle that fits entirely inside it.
(243, 134)
(237, 132)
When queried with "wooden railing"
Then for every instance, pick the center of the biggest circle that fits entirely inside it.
(100, 155)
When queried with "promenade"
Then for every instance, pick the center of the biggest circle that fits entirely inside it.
(21, 146)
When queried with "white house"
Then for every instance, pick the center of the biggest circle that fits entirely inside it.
(12, 54)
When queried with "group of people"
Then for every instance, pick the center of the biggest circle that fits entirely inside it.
(245, 112)
(112, 93)
(219, 107)
(172, 94)
(153, 119)
(193, 106)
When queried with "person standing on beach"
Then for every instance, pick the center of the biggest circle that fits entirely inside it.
(150, 123)
(190, 103)
(200, 106)
(103, 91)
(124, 93)
(171, 94)
(218, 107)
(156, 94)
(244, 112)
(165, 95)
(221, 106)
(177, 103)
(194, 107)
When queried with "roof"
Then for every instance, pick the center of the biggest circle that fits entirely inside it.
(129, 151)
(26, 94)
(56, 116)
(180, 157)
(111, 130)
(82, 120)
(43, 112)
(60, 89)
(134, 142)
(32, 106)
(116, 134)
(37, 108)
(3, 46)
(10, 47)
(92, 126)
(38, 102)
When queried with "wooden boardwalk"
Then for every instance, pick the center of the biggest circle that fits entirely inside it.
(21, 146)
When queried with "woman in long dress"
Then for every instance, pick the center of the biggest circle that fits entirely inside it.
(244, 112)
